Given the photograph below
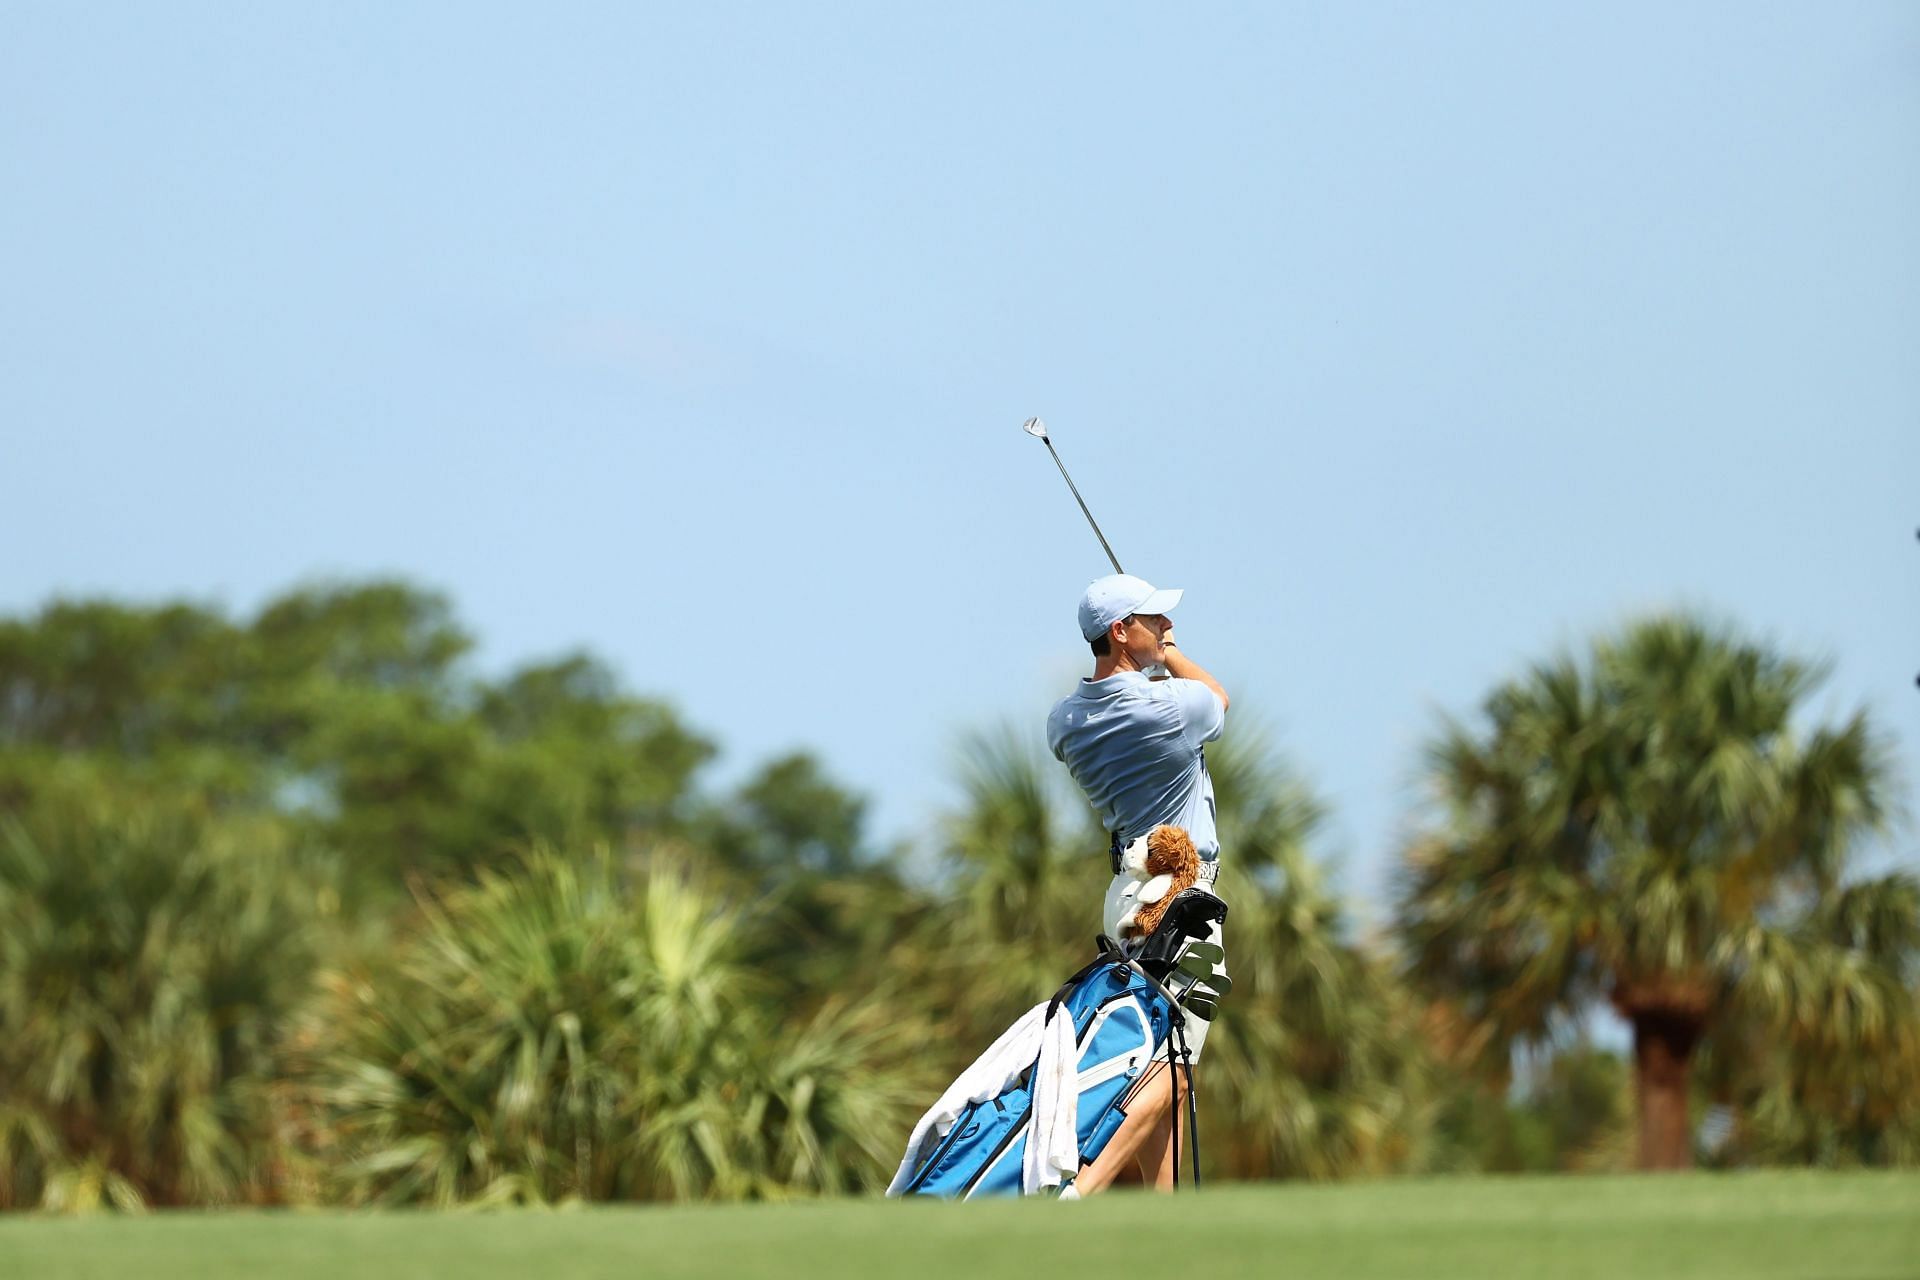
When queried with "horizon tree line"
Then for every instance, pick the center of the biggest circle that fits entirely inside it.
(295, 908)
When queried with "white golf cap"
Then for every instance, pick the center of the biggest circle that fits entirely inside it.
(1113, 597)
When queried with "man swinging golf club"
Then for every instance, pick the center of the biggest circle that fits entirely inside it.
(1135, 744)
(1121, 1028)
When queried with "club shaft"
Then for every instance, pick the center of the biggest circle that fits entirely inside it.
(1115, 560)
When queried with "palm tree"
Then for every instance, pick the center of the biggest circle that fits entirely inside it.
(153, 953)
(566, 1031)
(1810, 1096)
(1651, 828)
(1018, 902)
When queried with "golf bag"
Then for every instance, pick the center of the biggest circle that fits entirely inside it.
(1046, 1099)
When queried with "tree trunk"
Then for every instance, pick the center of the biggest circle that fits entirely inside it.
(1663, 1045)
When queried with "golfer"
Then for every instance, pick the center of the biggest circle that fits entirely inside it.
(1135, 744)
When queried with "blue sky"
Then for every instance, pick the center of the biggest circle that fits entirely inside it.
(1413, 341)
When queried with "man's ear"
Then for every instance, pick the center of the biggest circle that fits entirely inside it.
(1117, 634)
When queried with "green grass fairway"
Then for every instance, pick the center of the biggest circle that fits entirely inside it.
(1811, 1225)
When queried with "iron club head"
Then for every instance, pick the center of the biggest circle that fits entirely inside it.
(1038, 429)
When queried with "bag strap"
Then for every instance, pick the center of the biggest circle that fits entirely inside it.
(1109, 952)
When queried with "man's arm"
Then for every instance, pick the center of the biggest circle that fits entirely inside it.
(1181, 667)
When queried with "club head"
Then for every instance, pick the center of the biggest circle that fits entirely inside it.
(1034, 427)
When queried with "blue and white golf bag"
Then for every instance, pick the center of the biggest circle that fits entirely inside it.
(1046, 1099)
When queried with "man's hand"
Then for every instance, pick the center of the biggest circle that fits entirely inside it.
(1181, 667)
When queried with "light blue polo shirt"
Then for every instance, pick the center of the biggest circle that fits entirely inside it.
(1134, 746)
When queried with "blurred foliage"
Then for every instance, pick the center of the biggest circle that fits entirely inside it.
(789, 818)
(346, 708)
(300, 908)
(152, 956)
(567, 1031)
(1572, 1113)
(1314, 1068)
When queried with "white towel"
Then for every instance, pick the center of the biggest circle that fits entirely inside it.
(1053, 1139)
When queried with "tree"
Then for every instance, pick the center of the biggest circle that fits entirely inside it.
(160, 692)
(788, 819)
(1026, 864)
(152, 953)
(561, 1029)
(347, 708)
(1650, 828)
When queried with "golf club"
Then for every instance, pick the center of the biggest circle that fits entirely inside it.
(1035, 427)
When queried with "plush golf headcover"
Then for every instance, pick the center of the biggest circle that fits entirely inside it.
(1168, 864)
